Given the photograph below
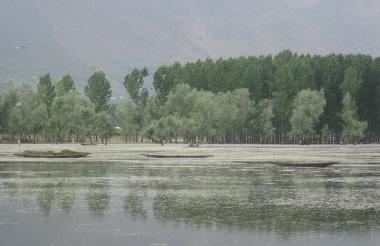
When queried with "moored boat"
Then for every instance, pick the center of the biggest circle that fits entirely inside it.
(89, 144)
(51, 154)
(176, 156)
(303, 163)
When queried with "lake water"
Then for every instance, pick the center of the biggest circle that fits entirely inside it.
(119, 197)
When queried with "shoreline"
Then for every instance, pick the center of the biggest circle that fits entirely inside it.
(223, 154)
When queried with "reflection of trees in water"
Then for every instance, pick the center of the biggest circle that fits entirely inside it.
(219, 211)
(10, 188)
(271, 186)
(333, 186)
(45, 198)
(50, 184)
(255, 200)
(61, 194)
(284, 187)
(65, 200)
(267, 199)
(267, 186)
(332, 182)
(134, 206)
(98, 197)
(55, 186)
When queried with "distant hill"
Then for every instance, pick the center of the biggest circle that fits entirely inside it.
(39, 36)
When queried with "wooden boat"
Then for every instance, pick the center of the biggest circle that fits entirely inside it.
(303, 164)
(88, 144)
(176, 156)
(51, 154)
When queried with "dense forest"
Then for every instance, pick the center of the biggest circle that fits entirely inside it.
(287, 98)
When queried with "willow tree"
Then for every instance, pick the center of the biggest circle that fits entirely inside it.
(103, 126)
(263, 120)
(131, 118)
(308, 106)
(70, 118)
(353, 128)
(29, 115)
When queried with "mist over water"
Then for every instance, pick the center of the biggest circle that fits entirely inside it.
(234, 198)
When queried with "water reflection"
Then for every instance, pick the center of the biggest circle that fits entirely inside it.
(134, 206)
(65, 199)
(239, 197)
(10, 188)
(51, 194)
(98, 197)
(251, 216)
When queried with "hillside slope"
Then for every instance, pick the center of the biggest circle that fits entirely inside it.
(38, 36)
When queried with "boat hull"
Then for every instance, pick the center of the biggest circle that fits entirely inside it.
(51, 154)
(176, 156)
(303, 164)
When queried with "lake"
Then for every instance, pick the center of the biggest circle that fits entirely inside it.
(116, 196)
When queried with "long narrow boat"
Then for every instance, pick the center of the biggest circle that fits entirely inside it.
(52, 154)
(176, 156)
(89, 144)
(303, 163)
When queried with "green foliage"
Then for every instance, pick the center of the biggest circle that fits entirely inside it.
(153, 108)
(6, 105)
(199, 114)
(263, 120)
(180, 101)
(234, 100)
(169, 127)
(134, 83)
(280, 78)
(103, 126)
(71, 114)
(326, 132)
(28, 114)
(353, 129)
(64, 86)
(308, 107)
(98, 90)
(46, 90)
(130, 117)
(166, 78)
(351, 83)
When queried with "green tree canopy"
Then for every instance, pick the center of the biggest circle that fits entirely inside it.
(264, 116)
(134, 83)
(46, 90)
(351, 83)
(103, 126)
(71, 114)
(353, 129)
(64, 85)
(9, 101)
(98, 90)
(130, 117)
(308, 107)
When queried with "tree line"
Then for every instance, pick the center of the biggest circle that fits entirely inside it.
(57, 112)
(286, 98)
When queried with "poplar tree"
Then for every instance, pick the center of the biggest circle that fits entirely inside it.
(98, 90)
